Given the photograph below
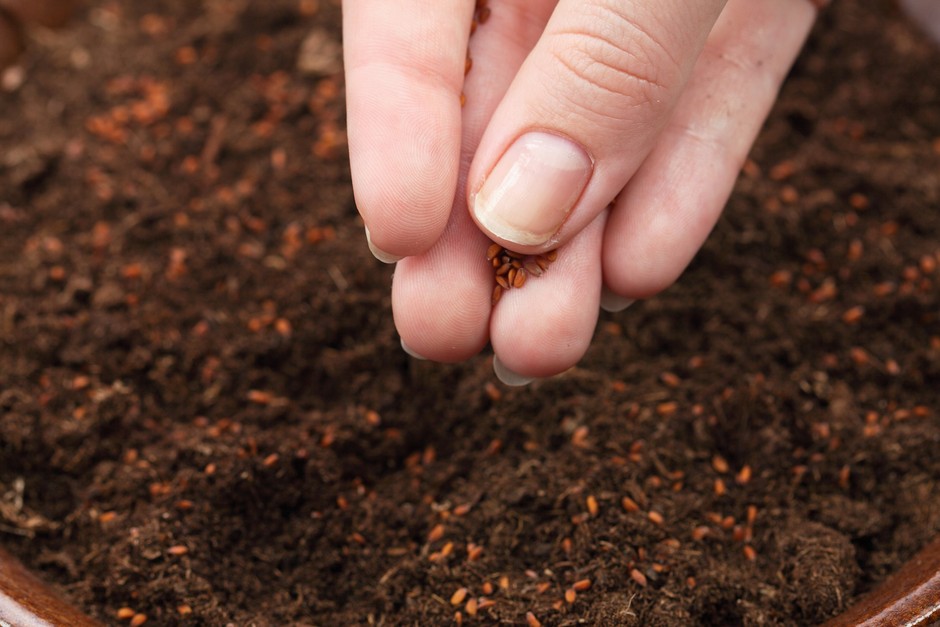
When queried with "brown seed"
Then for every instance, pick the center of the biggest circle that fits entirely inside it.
(727, 522)
(502, 282)
(629, 504)
(699, 533)
(570, 596)
(581, 585)
(655, 517)
(487, 588)
(531, 620)
(551, 255)
(543, 587)
(511, 275)
(471, 607)
(506, 268)
(184, 610)
(497, 294)
(670, 379)
(749, 553)
(853, 315)
(179, 549)
(138, 620)
(638, 577)
(458, 596)
(592, 506)
(124, 613)
(467, 65)
(493, 252)
(720, 488)
(519, 279)
(751, 514)
(463, 99)
(458, 618)
(844, 474)
(436, 533)
(504, 582)
(474, 551)
(744, 476)
(484, 603)
(532, 268)
(720, 464)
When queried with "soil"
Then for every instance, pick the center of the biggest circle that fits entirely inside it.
(207, 417)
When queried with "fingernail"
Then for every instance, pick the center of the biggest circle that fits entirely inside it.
(614, 302)
(509, 377)
(408, 350)
(380, 254)
(532, 189)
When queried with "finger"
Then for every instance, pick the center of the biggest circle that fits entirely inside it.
(546, 326)
(672, 203)
(582, 115)
(11, 41)
(49, 13)
(441, 299)
(405, 62)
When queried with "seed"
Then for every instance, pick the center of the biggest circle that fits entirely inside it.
(436, 533)
(502, 282)
(504, 582)
(458, 596)
(638, 577)
(270, 460)
(463, 99)
(592, 505)
(484, 603)
(570, 596)
(844, 474)
(551, 255)
(511, 276)
(124, 613)
(483, 15)
(751, 514)
(581, 585)
(750, 553)
(493, 252)
(531, 620)
(179, 549)
(670, 379)
(629, 504)
(458, 618)
(853, 315)
(467, 66)
(543, 587)
(720, 464)
(184, 610)
(699, 533)
(744, 476)
(497, 294)
(655, 517)
(138, 620)
(487, 588)
(532, 268)
(474, 551)
(506, 268)
(720, 488)
(519, 280)
(471, 607)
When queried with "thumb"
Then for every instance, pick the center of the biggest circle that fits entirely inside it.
(582, 114)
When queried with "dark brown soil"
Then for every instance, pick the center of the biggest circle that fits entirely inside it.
(198, 352)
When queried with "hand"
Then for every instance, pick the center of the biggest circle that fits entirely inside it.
(15, 13)
(612, 130)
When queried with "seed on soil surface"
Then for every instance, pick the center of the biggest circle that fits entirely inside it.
(592, 506)
(483, 603)
(581, 585)
(504, 582)
(670, 379)
(471, 607)
(474, 551)
(699, 533)
(178, 549)
(749, 553)
(638, 577)
(458, 618)
(720, 464)
(543, 587)
(436, 533)
(531, 620)
(720, 487)
(125, 613)
(853, 315)
(744, 476)
(655, 517)
(138, 620)
(844, 474)
(629, 504)
(751, 514)
(458, 597)
(184, 610)
(570, 596)
(487, 588)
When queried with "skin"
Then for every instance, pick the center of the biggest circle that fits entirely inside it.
(665, 99)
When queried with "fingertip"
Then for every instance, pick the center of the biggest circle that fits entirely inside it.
(380, 254)
(613, 302)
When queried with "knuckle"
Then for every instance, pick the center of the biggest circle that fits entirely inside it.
(616, 59)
